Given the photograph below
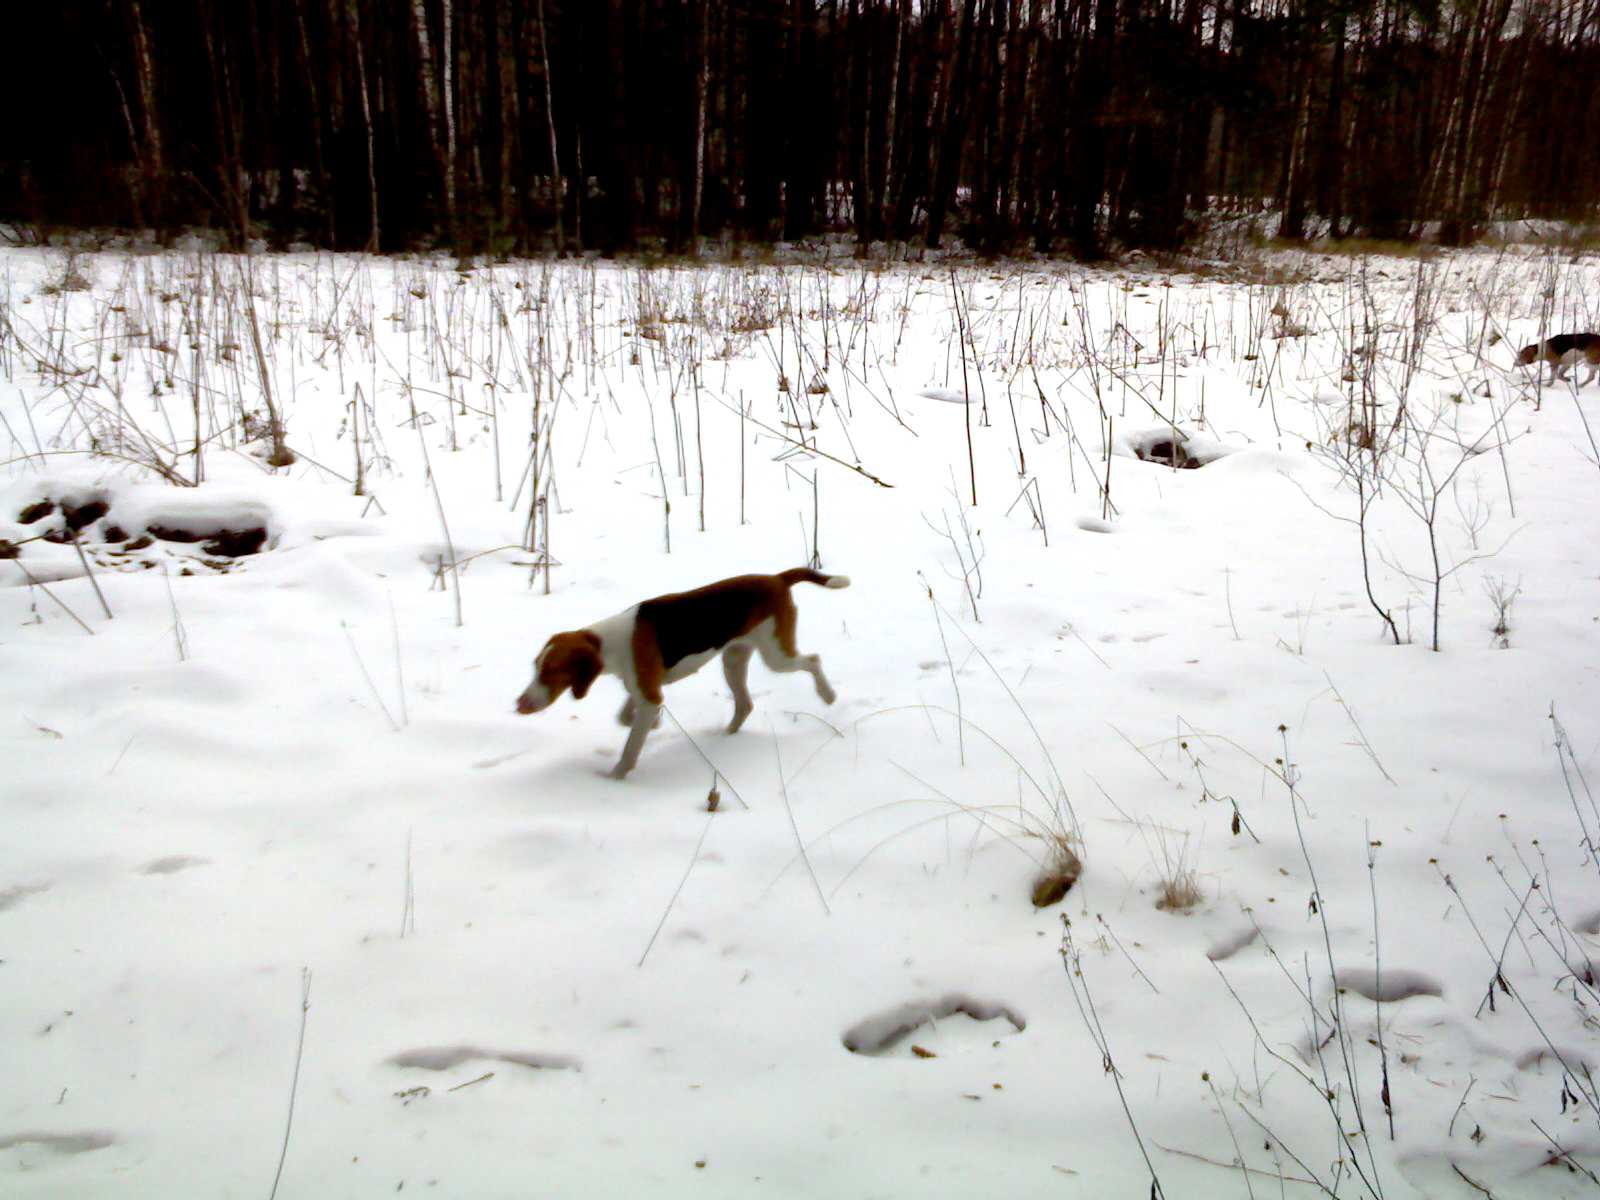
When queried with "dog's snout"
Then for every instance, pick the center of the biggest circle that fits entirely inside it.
(534, 699)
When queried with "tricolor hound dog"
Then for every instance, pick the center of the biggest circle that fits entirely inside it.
(664, 640)
(1563, 352)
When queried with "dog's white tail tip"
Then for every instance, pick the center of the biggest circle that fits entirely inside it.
(838, 581)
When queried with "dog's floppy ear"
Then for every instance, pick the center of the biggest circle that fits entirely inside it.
(586, 668)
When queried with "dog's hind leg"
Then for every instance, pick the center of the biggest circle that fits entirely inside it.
(779, 654)
(736, 669)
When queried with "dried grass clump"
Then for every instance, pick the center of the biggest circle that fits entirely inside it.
(72, 279)
(1179, 893)
(1177, 884)
(1061, 869)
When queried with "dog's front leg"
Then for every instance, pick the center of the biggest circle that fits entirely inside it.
(645, 716)
(625, 716)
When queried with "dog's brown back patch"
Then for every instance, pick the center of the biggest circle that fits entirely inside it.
(709, 618)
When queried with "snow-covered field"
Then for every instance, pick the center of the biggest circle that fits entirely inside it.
(287, 885)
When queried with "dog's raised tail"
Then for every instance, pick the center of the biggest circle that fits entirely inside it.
(796, 575)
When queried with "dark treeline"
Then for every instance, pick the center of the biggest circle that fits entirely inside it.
(516, 125)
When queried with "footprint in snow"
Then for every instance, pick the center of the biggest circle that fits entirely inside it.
(949, 1020)
(1581, 1061)
(1231, 943)
(12, 896)
(1394, 984)
(59, 1143)
(443, 1058)
(172, 864)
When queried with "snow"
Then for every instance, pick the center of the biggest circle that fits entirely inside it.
(276, 836)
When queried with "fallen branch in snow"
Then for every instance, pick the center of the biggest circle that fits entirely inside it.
(180, 635)
(1060, 799)
(1346, 1043)
(1072, 960)
(961, 744)
(438, 500)
(1377, 986)
(365, 674)
(34, 582)
(1570, 768)
(88, 570)
(1562, 1154)
(1582, 1085)
(1233, 1166)
(673, 899)
(294, 1082)
(799, 842)
(1472, 1182)
(806, 447)
(707, 758)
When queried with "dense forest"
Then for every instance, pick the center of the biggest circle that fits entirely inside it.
(1062, 125)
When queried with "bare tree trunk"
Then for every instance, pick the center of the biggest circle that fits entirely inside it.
(1502, 152)
(449, 98)
(952, 127)
(433, 118)
(320, 158)
(510, 125)
(1439, 174)
(137, 186)
(1464, 212)
(550, 122)
(702, 67)
(886, 207)
(1292, 224)
(859, 93)
(225, 113)
(366, 117)
(152, 162)
(1331, 192)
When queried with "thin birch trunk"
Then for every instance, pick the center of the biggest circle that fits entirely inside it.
(550, 122)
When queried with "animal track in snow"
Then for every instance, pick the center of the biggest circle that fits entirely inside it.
(172, 864)
(61, 1143)
(878, 1035)
(1577, 1060)
(443, 1058)
(12, 896)
(1394, 984)
(1231, 943)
